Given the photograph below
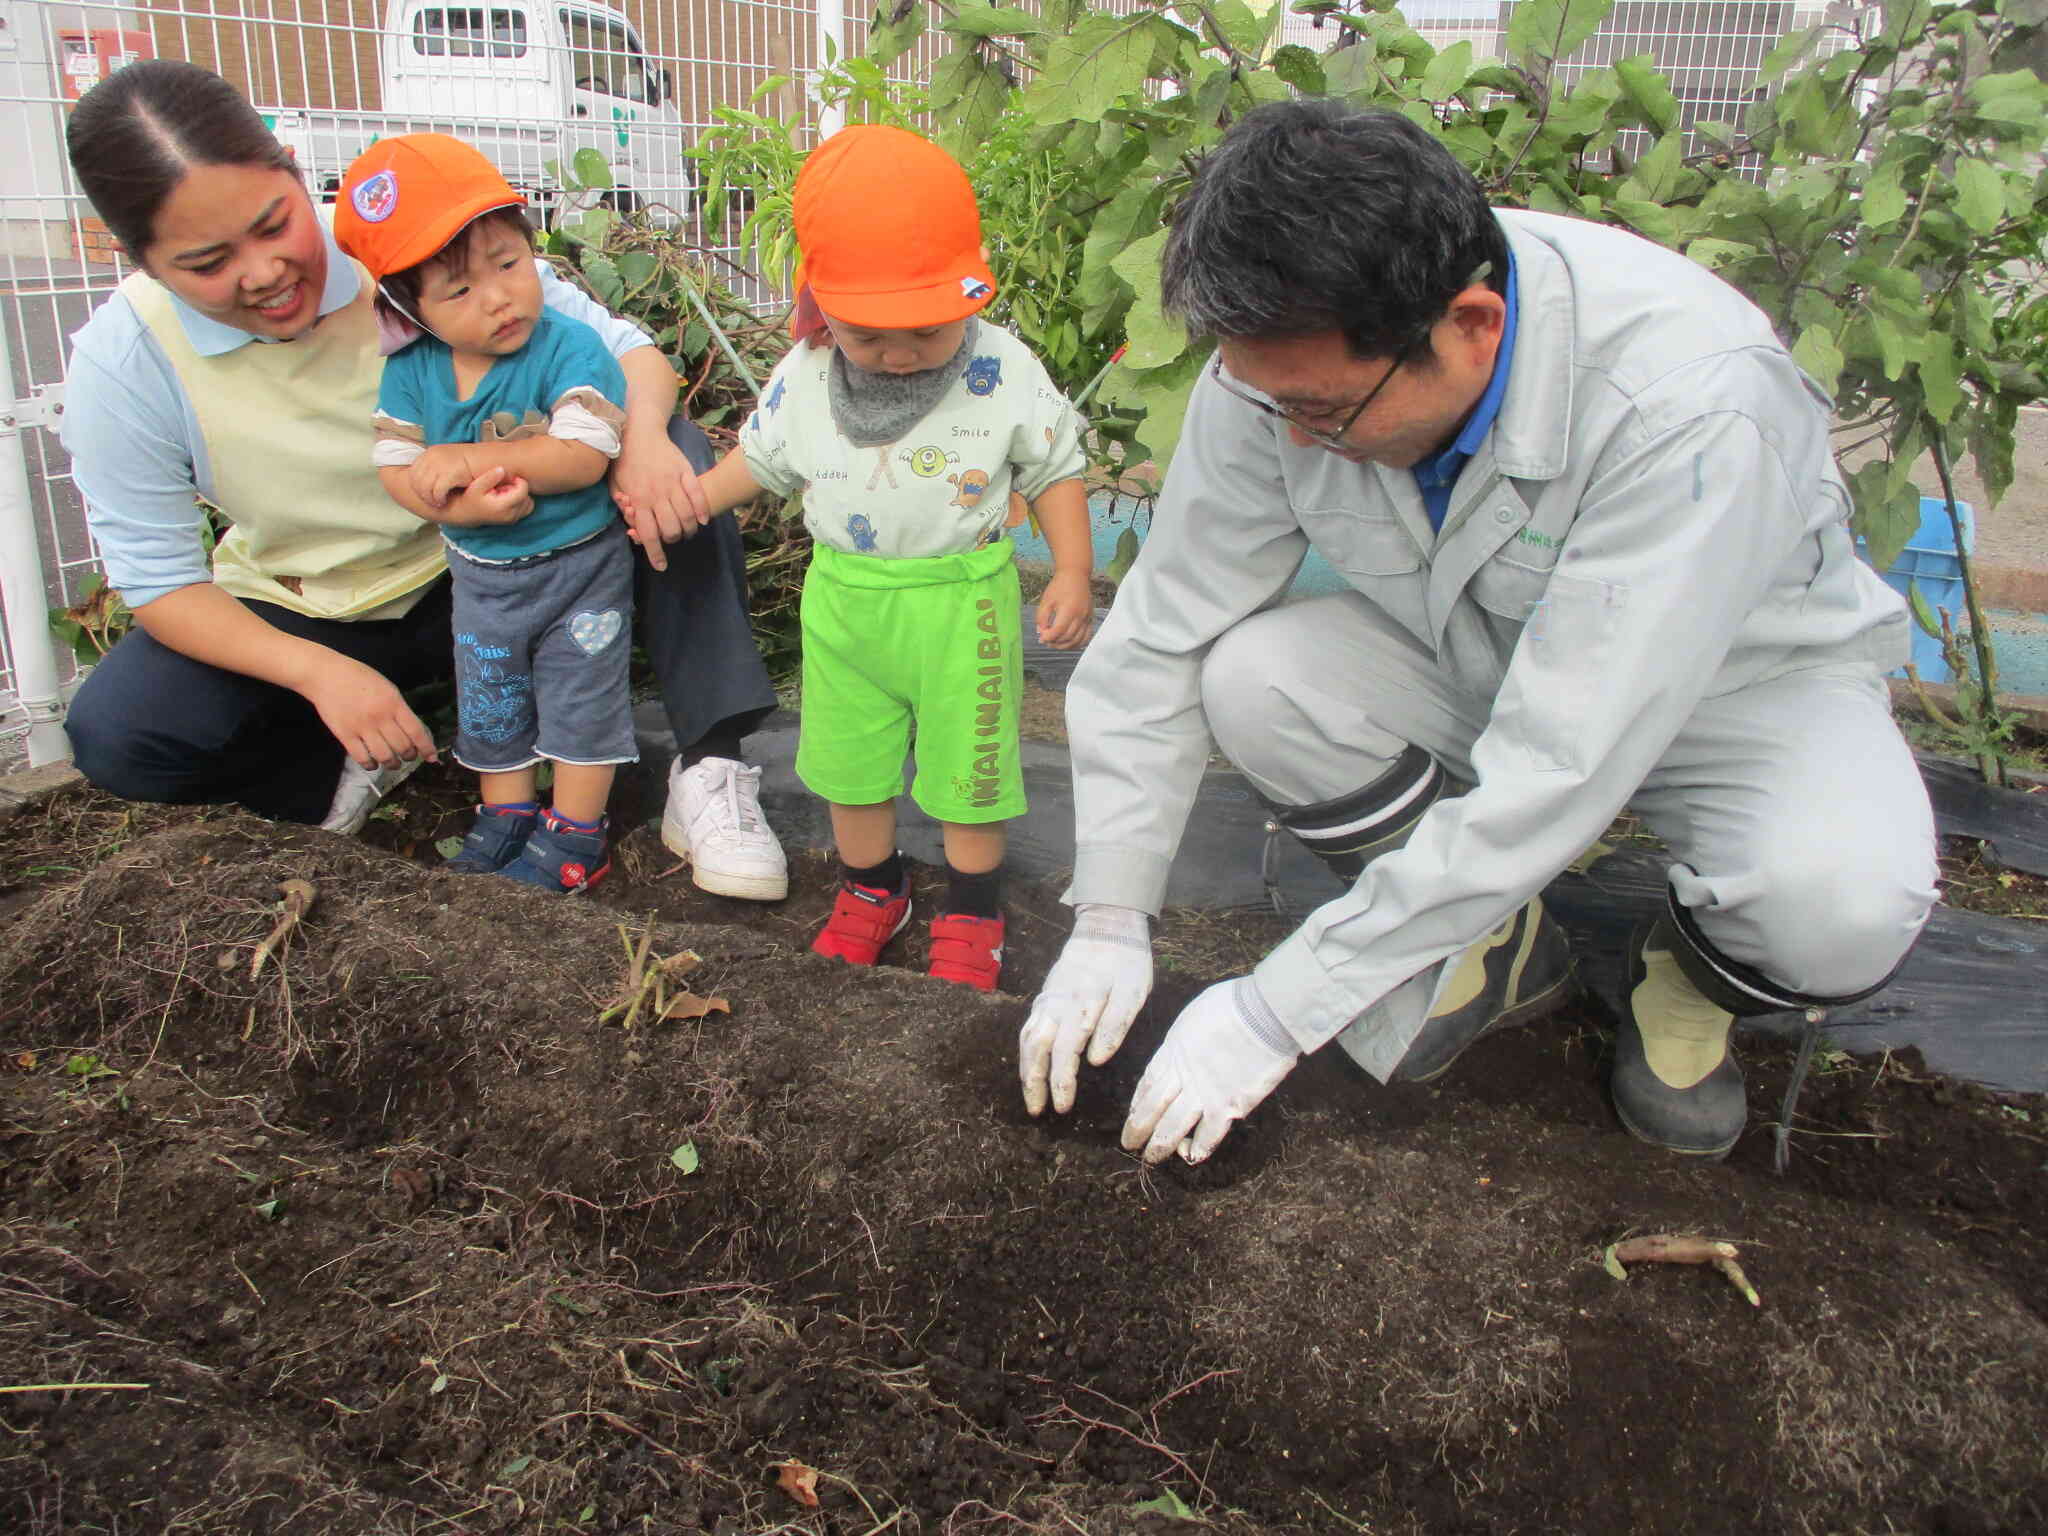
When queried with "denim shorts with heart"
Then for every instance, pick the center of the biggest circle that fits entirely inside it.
(541, 647)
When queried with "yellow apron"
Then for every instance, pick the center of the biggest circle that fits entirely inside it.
(287, 432)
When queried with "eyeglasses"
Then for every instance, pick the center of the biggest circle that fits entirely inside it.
(1295, 419)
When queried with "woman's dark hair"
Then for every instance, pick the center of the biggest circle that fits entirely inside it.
(133, 137)
(1313, 216)
(401, 290)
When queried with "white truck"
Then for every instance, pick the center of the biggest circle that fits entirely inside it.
(530, 83)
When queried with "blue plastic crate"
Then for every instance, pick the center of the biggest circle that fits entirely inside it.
(1929, 559)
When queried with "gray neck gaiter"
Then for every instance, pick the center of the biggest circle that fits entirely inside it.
(874, 409)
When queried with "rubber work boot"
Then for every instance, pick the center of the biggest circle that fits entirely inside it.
(1515, 975)
(1675, 1084)
(557, 857)
(863, 920)
(968, 950)
(497, 838)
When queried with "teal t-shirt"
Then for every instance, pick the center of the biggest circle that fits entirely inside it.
(563, 362)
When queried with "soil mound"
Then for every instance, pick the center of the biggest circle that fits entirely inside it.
(405, 1229)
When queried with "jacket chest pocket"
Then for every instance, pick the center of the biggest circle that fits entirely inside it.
(1362, 546)
(1511, 583)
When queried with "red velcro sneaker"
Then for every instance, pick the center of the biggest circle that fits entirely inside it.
(968, 950)
(863, 920)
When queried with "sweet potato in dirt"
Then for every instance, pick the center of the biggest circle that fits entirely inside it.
(416, 1253)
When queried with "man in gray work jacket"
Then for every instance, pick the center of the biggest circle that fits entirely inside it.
(1598, 556)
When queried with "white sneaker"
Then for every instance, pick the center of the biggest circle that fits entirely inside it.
(713, 823)
(357, 792)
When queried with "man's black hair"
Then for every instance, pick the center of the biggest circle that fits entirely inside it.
(1312, 216)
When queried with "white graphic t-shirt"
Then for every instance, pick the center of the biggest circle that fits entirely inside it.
(945, 486)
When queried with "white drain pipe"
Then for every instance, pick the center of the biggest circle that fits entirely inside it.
(832, 46)
(21, 586)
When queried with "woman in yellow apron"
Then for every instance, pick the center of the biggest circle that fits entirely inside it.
(239, 368)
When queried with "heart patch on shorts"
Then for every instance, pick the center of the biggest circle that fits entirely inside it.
(592, 632)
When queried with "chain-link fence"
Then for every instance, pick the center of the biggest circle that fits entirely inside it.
(533, 80)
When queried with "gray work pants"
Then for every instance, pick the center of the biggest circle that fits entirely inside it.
(1800, 830)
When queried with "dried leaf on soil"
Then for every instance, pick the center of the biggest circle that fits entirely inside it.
(798, 1481)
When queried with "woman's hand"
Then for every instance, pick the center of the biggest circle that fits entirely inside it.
(366, 713)
(658, 492)
(1065, 611)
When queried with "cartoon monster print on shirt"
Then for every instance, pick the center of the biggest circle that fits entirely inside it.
(773, 399)
(972, 486)
(928, 461)
(984, 375)
(862, 532)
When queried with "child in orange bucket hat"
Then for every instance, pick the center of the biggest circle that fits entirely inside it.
(908, 423)
(498, 420)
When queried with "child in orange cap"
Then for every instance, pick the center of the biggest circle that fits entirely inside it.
(908, 423)
(499, 422)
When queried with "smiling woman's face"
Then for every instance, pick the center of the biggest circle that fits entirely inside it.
(242, 245)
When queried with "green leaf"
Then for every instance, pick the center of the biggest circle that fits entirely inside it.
(637, 269)
(448, 847)
(994, 21)
(1153, 337)
(971, 92)
(1612, 1265)
(1817, 352)
(1980, 195)
(1892, 343)
(1245, 29)
(270, 1210)
(1656, 174)
(1790, 50)
(1092, 68)
(1938, 377)
(603, 273)
(889, 41)
(1554, 29)
(1108, 236)
(1124, 556)
(1648, 92)
(1162, 395)
(685, 1157)
(1711, 253)
(1168, 1503)
(514, 1467)
(1923, 615)
(696, 337)
(1301, 68)
(1447, 73)
(592, 169)
(1884, 196)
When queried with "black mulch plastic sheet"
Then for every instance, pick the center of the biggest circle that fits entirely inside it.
(1972, 996)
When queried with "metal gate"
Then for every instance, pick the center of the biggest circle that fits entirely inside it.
(635, 77)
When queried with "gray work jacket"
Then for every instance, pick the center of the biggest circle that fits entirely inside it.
(1654, 519)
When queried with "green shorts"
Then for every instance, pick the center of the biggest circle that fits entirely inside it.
(931, 642)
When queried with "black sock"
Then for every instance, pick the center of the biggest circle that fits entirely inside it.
(717, 743)
(885, 876)
(975, 895)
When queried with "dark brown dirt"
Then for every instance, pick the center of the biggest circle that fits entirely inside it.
(397, 1236)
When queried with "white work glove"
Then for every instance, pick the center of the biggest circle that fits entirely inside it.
(1224, 1054)
(1092, 994)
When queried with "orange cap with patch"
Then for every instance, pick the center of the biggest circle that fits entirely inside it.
(406, 197)
(888, 231)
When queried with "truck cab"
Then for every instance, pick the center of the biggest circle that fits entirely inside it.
(577, 70)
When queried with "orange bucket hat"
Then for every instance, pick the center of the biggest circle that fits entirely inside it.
(406, 197)
(888, 231)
